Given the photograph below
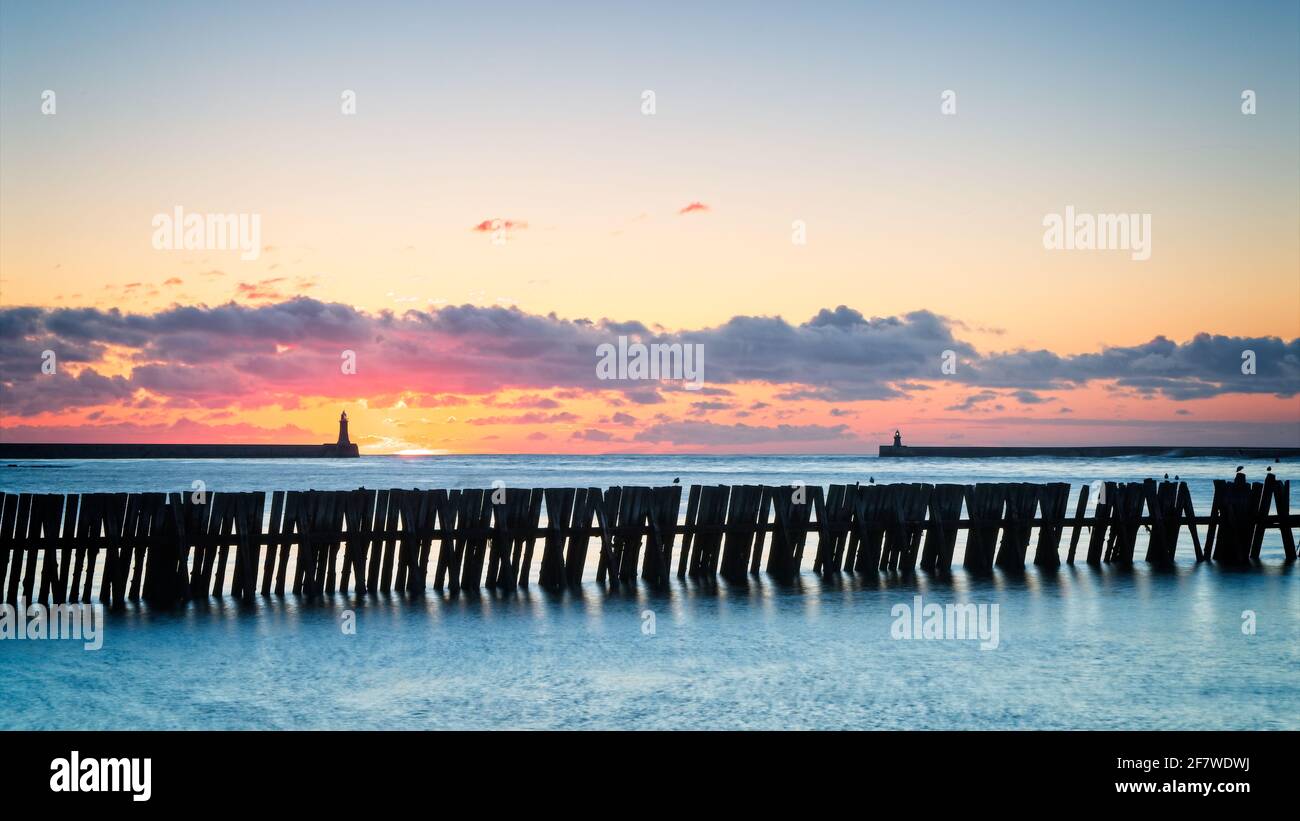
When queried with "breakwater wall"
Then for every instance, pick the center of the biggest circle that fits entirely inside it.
(1085, 452)
(38, 450)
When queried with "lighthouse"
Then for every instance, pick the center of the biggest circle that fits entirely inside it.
(343, 447)
(343, 431)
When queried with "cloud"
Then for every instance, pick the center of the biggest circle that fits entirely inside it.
(527, 419)
(693, 208)
(63, 391)
(973, 400)
(497, 224)
(593, 436)
(273, 353)
(705, 407)
(644, 396)
(531, 402)
(1207, 365)
(1026, 397)
(709, 433)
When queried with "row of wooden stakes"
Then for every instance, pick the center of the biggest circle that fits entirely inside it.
(171, 548)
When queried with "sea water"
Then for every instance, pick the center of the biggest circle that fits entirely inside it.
(1195, 646)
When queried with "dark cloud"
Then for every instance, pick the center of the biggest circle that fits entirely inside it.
(1025, 397)
(705, 407)
(62, 391)
(593, 436)
(1208, 365)
(644, 396)
(233, 353)
(973, 400)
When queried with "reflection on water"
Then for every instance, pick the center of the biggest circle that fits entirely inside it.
(1079, 647)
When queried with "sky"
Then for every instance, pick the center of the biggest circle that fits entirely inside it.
(856, 249)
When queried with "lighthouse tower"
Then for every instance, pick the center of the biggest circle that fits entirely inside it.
(344, 442)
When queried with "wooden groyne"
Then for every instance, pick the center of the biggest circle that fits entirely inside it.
(167, 548)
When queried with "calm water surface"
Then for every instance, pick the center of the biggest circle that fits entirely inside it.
(1077, 647)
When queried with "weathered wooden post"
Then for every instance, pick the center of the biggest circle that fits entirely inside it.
(1053, 500)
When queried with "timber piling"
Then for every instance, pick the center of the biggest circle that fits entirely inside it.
(170, 548)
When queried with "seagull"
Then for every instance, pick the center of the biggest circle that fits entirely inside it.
(871, 480)
(1166, 477)
(677, 481)
(1268, 469)
(1175, 477)
(1240, 468)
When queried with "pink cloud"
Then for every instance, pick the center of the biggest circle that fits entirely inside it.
(497, 224)
(244, 356)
